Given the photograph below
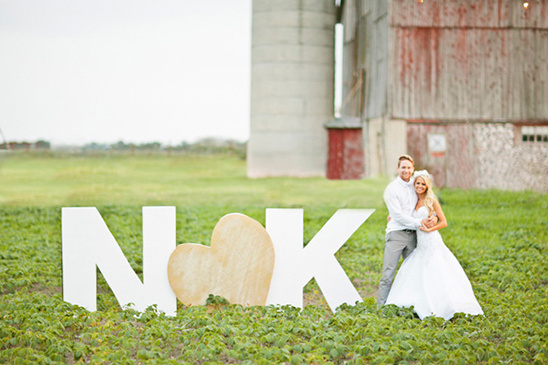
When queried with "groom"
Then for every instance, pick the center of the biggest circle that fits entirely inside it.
(401, 236)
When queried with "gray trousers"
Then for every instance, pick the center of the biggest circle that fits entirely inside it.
(398, 243)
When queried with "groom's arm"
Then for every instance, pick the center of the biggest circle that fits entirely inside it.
(395, 211)
(430, 221)
(427, 222)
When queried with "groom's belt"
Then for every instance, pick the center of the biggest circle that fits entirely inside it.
(409, 230)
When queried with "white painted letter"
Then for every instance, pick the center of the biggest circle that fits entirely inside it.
(88, 243)
(295, 266)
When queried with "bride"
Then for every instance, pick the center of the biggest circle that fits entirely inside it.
(431, 279)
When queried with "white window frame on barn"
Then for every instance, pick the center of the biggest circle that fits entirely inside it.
(534, 134)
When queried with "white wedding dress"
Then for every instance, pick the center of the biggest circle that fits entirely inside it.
(432, 280)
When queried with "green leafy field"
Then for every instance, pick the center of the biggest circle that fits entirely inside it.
(500, 238)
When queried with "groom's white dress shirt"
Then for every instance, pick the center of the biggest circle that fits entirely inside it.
(400, 198)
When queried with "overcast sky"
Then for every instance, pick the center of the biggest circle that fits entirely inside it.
(80, 71)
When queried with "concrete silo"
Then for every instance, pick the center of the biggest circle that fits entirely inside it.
(292, 86)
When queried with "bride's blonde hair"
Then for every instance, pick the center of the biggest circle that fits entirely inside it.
(429, 196)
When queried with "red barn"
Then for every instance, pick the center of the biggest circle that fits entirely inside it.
(461, 85)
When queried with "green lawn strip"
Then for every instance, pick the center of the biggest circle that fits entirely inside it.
(500, 238)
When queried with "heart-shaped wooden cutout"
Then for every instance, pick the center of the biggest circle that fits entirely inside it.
(238, 266)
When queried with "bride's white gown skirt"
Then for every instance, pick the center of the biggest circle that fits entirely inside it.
(432, 280)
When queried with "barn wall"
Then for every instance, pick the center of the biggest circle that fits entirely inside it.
(365, 58)
(469, 13)
(504, 162)
(374, 53)
(454, 167)
(384, 141)
(480, 155)
(345, 160)
(351, 88)
(462, 60)
(474, 72)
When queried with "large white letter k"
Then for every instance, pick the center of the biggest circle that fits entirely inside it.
(295, 266)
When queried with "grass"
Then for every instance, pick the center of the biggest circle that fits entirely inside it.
(499, 237)
(50, 180)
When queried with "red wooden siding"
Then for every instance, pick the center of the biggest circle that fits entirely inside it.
(455, 167)
(467, 13)
(468, 61)
(345, 161)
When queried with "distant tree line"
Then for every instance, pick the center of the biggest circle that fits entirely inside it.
(202, 146)
(22, 146)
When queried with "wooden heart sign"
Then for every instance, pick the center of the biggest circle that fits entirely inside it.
(238, 266)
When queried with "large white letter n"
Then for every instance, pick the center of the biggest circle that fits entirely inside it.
(88, 244)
